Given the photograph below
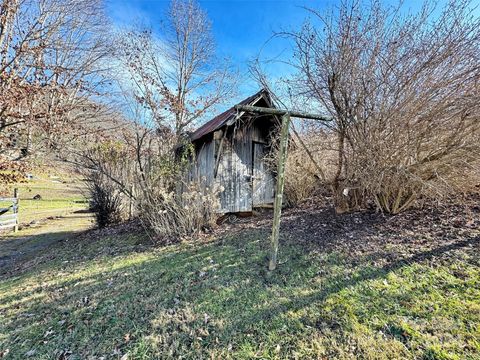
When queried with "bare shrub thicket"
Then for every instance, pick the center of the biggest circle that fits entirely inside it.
(106, 201)
(310, 164)
(140, 168)
(108, 170)
(172, 82)
(167, 204)
(404, 92)
(301, 176)
(301, 180)
(171, 215)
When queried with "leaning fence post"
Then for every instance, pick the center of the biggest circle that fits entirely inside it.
(286, 114)
(282, 158)
(15, 208)
(130, 204)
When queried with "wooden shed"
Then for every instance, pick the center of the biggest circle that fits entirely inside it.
(230, 152)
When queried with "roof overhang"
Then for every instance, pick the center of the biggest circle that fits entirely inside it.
(230, 116)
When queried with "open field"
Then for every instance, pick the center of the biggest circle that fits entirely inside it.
(60, 195)
(352, 286)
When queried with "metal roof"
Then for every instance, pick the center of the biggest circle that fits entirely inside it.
(222, 119)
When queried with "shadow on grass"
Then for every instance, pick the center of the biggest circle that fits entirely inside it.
(191, 298)
(17, 250)
(138, 291)
(337, 283)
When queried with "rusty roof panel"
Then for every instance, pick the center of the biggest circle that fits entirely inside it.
(220, 120)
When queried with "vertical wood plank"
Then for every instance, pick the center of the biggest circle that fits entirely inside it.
(282, 157)
(263, 180)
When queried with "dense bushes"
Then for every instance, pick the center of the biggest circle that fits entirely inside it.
(168, 205)
(404, 95)
(152, 178)
(108, 171)
(171, 214)
(105, 200)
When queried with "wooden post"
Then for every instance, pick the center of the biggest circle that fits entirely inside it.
(130, 204)
(282, 157)
(277, 212)
(15, 208)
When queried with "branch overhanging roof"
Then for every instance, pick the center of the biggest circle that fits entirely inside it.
(230, 116)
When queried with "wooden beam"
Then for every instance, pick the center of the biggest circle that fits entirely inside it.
(219, 154)
(297, 114)
(282, 158)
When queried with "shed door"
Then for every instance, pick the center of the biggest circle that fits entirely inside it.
(263, 183)
(235, 174)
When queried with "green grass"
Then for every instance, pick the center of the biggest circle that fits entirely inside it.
(29, 242)
(59, 197)
(31, 210)
(114, 295)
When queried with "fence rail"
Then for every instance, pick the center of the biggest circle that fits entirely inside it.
(7, 219)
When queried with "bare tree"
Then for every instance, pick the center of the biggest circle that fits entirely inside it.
(169, 84)
(176, 77)
(51, 54)
(404, 90)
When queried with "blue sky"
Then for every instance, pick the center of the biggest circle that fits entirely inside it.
(241, 27)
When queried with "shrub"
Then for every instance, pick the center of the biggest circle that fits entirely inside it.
(301, 180)
(307, 172)
(172, 214)
(105, 200)
(108, 170)
(404, 97)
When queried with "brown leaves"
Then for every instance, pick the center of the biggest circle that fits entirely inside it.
(38, 91)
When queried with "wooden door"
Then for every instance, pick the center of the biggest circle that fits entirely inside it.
(263, 183)
(234, 175)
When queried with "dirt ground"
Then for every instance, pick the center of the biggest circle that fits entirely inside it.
(412, 235)
(415, 234)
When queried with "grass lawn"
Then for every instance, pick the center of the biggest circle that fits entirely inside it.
(60, 196)
(114, 296)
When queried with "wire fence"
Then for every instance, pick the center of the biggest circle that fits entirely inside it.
(36, 210)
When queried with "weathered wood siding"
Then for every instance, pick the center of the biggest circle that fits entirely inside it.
(263, 181)
(206, 163)
(201, 170)
(234, 173)
(241, 175)
(237, 165)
